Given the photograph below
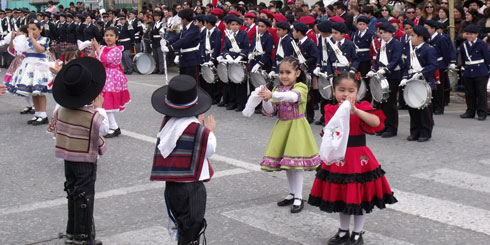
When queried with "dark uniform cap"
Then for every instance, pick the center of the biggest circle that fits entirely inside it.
(421, 31)
(387, 27)
(301, 27)
(363, 19)
(121, 16)
(325, 26)
(408, 22)
(105, 15)
(290, 18)
(63, 15)
(265, 21)
(472, 28)
(186, 14)
(81, 16)
(100, 23)
(8, 11)
(135, 12)
(210, 18)
(340, 26)
(69, 15)
(2, 12)
(200, 17)
(283, 25)
(431, 23)
(232, 18)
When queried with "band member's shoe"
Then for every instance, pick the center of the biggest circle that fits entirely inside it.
(114, 133)
(380, 132)
(96, 242)
(310, 120)
(412, 138)
(239, 108)
(320, 122)
(215, 102)
(231, 107)
(388, 134)
(467, 115)
(222, 104)
(338, 240)
(28, 110)
(297, 208)
(155, 72)
(40, 121)
(438, 112)
(162, 73)
(482, 117)
(423, 139)
(354, 241)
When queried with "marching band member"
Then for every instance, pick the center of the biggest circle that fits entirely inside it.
(126, 39)
(405, 40)
(452, 56)
(137, 28)
(310, 22)
(80, 20)
(362, 40)
(375, 45)
(4, 31)
(249, 23)
(325, 28)
(220, 24)
(186, 46)
(421, 60)
(266, 14)
(71, 31)
(261, 47)
(210, 50)
(156, 36)
(388, 64)
(284, 46)
(307, 55)
(62, 34)
(476, 61)
(235, 50)
(107, 22)
(342, 54)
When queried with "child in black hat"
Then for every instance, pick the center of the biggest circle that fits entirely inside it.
(185, 140)
(80, 123)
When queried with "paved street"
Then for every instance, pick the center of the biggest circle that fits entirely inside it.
(443, 186)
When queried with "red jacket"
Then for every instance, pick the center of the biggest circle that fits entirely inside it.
(374, 49)
(311, 34)
(251, 33)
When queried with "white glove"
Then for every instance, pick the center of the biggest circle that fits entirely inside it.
(381, 71)
(317, 71)
(417, 76)
(370, 74)
(229, 58)
(250, 56)
(163, 42)
(220, 59)
(238, 59)
(255, 68)
(176, 60)
(210, 63)
(164, 49)
(403, 82)
(272, 74)
(452, 66)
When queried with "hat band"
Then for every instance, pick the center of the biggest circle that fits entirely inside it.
(180, 106)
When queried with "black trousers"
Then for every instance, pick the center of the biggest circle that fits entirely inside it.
(310, 107)
(439, 99)
(80, 187)
(211, 88)
(187, 202)
(238, 94)
(421, 122)
(192, 71)
(158, 56)
(476, 95)
(390, 109)
(127, 61)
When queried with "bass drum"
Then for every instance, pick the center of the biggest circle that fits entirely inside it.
(380, 88)
(417, 94)
(222, 71)
(325, 87)
(144, 63)
(237, 72)
(257, 79)
(209, 74)
(362, 90)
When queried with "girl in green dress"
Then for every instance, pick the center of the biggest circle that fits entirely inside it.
(291, 146)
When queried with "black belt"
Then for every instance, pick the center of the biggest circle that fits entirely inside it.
(356, 140)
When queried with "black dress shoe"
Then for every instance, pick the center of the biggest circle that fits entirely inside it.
(297, 208)
(162, 73)
(286, 202)
(482, 118)
(30, 121)
(380, 132)
(467, 115)
(231, 107)
(310, 120)
(315, 106)
(116, 133)
(354, 241)
(222, 104)
(239, 108)
(388, 134)
(95, 242)
(423, 139)
(215, 102)
(320, 122)
(412, 138)
(28, 110)
(438, 112)
(258, 110)
(337, 240)
(40, 121)
(155, 72)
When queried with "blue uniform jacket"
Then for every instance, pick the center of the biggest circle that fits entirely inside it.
(363, 43)
(394, 54)
(242, 40)
(215, 42)
(264, 60)
(428, 60)
(349, 51)
(319, 63)
(477, 51)
(126, 36)
(188, 39)
(442, 48)
(287, 47)
(452, 50)
(309, 51)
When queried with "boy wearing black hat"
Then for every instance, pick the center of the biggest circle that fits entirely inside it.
(362, 40)
(325, 28)
(405, 41)
(156, 34)
(71, 31)
(80, 123)
(126, 39)
(262, 43)
(138, 29)
(210, 50)
(284, 46)
(388, 64)
(235, 50)
(420, 62)
(185, 140)
(4, 30)
(342, 54)
(476, 61)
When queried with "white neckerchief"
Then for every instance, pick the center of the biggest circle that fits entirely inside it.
(171, 132)
(280, 50)
(414, 60)
(208, 37)
(258, 44)
(383, 57)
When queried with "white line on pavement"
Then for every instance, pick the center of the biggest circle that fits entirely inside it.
(155, 235)
(146, 84)
(457, 179)
(108, 194)
(305, 228)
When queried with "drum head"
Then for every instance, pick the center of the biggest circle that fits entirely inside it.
(223, 72)
(325, 87)
(362, 90)
(236, 73)
(417, 94)
(144, 63)
(257, 79)
(208, 74)
(378, 89)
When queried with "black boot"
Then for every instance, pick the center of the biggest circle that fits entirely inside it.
(192, 236)
(337, 240)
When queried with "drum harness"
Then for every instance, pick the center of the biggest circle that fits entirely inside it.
(342, 61)
(471, 62)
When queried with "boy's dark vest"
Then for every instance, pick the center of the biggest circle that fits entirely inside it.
(186, 161)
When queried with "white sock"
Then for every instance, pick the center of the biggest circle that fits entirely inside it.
(344, 223)
(298, 186)
(36, 114)
(43, 114)
(289, 174)
(358, 223)
(112, 121)
(29, 101)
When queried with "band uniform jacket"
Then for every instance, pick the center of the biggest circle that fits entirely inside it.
(62, 31)
(441, 46)
(81, 32)
(215, 43)
(91, 31)
(427, 58)
(478, 52)
(362, 44)
(138, 29)
(394, 54)
(287, 47)
(320, 62)
(309, 51)
(155, 34)
(5, 27)
(242, 41)
(265, 60)
(349, 51)
(405, 41)
(187, 45)
(71, 32)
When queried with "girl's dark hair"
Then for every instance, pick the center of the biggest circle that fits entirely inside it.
(293, 61)
(24, 29)
(71, 52)
(114, 29)
(347, 75)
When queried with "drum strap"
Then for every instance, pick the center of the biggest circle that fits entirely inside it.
(338, 53)
(234, 45)
(324, 50)
(208, 42)
(258, 44)
(414, 60)
(383, 57)
(301, 58)
(466, 51)
(280, 50)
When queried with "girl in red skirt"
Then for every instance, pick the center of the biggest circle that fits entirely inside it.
(356, 184)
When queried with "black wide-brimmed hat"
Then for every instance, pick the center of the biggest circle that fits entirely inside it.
(79, 83)
(181, 98)
(468, 2)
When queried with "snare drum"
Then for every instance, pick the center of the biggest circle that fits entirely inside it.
(237, 72)
(222, 71)
(325, 87)
(144, 63)
(257, 78)
(417, 94)
(362, 90)
(208, 73)
(380, 88)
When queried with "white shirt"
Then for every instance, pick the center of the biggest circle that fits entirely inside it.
(302, 40)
